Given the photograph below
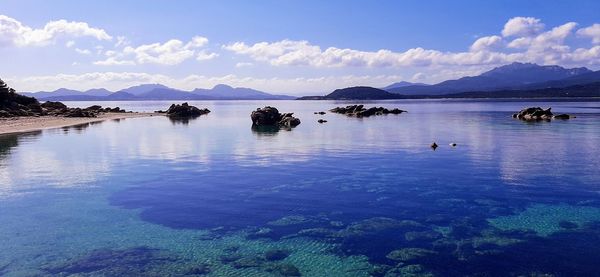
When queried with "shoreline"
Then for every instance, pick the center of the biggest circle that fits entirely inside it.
(30, 124)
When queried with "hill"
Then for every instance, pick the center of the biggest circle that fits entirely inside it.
(507, 77)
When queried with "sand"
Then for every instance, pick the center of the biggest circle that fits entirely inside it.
(28, 124)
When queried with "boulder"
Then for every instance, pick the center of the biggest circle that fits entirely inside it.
(361, 111)
(562, 116)
(185, 110)
(270, 116)
(537, 114)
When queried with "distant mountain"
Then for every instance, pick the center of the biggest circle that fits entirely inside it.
(58, 92)
(512, 76)
(355, 93)
(158, 92)
(137, 90)
(98, 92)
(227, 92)
(585, 90)
(402, 84)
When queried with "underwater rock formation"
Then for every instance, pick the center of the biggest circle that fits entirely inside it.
(276, 254)
(361, 111)
(407, 254)
(127, 262)
(270, 116)
(537, 113)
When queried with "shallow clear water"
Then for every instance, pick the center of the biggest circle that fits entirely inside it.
(351, 197)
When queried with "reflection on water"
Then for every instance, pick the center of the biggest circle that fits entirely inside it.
(354, 197)
(265, 130)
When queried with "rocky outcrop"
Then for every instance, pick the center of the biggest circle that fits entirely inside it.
(184, 111)
(537, 114)
(361, 111)
(15, 105)
(270, 116)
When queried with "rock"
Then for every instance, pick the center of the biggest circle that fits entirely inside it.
(453, 144)
(360, 111)
(276, 254)
(434, 146)
(201, 269)
(321, 120)
(270, 116)
(321, 113)
(407, 254)
(78, 112)
(537, 114)
(94, 108)
(287, 270)
(185, 110)
(562, 116)
(568, 224)
(53, 105)
(246, 262)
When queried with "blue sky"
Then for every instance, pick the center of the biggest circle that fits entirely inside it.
(293, 47)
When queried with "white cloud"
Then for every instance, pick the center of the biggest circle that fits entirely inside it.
(242, 64)
(172, 52)
(13, 32)
(302, 53)
(530, 43)
(121, 41)
(204, 56)
(487, 43)
(522, 26)
(113, 61)
(83, 51)
(70, 44)
(592, 32)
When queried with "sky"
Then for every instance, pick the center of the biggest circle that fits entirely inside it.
(291, 47)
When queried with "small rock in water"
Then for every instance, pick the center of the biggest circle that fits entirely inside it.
(270, 116)
(453, 144)
(276, 254)
(568, 225)
(434, 146)
(321, 120)
(321, 113)
(287, 270)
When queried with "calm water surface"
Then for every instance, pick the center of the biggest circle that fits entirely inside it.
(351, 197)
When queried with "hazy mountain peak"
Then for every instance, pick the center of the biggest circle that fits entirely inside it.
(143, 88)
(222, 87)
(402, 84)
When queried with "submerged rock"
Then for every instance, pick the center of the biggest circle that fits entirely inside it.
(184, 111)
(361, 111)
(407, 254)
(201, 269)
(270, 116)
(246, 262)
(376, 224)
(537, 114)
(276, 254)
(127, 262)
(287, 270)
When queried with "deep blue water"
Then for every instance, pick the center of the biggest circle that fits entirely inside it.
(351, 197)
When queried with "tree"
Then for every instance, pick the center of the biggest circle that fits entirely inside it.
(8, 95)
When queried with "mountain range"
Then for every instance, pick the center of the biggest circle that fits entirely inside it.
(516, 80)
(507, 77)
(157, 92)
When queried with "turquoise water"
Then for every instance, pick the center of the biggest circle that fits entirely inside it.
(351, 197)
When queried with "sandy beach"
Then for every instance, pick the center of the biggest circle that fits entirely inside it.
(28, 124)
